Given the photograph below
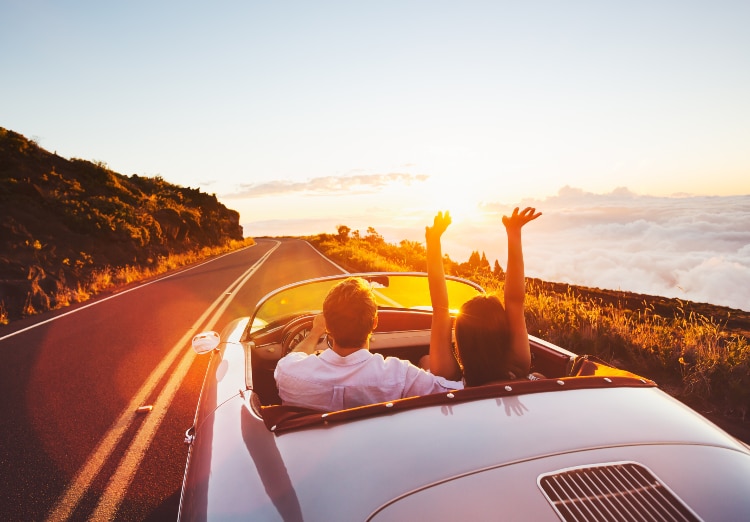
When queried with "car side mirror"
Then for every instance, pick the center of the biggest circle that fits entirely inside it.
(206, 342)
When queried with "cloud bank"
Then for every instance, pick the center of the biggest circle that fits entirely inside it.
(695, 248)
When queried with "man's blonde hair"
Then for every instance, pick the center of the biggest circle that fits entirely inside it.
(350, 310)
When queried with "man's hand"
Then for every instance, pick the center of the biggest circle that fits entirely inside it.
(517, 220)
(318, 326)
(310, 343)
(439, 225)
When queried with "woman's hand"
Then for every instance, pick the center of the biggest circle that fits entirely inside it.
(441, 360)
(439, 225)
(519, 219)
(515, 289)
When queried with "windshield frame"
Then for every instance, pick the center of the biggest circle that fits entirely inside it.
(459, 291)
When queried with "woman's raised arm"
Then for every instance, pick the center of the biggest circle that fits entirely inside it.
(442, 360)
(515, 291)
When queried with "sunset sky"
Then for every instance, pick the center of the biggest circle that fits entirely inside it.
(304, 115)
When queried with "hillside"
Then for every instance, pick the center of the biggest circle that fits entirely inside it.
(697, 352)
(733, 322)
(62, 221)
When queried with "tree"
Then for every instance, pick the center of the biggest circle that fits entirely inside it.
(498, 272)
(373, 237)
(484, 264)
(343, 232)
(413, 246)
(474, 260)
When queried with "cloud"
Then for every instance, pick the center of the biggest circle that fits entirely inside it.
(327, 185)
(690, 247)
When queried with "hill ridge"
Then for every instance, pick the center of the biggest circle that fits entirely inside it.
(61, 220)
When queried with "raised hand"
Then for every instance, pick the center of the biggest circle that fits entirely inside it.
(441, 360)
(439, 225)
(519, 219)
(515, 290)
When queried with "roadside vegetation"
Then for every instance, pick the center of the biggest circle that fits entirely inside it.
(72, 228)
(110, 278)
(688, 348)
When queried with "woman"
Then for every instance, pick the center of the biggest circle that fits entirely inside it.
(492, 344)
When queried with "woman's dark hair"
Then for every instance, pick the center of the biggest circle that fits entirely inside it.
(482, 340)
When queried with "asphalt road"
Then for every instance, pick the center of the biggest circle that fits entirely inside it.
(72, 445)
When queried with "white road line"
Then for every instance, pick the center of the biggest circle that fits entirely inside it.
(67, 503)
(384, 298)
(118, 294)
(123, 476)
(327, 259)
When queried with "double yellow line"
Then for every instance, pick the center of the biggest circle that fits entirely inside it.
(119, 482)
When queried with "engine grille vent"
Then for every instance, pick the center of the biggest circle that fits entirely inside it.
(616, 491)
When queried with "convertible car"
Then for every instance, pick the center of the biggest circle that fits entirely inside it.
(587, 442)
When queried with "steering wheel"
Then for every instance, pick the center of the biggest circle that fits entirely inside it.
(295, 331)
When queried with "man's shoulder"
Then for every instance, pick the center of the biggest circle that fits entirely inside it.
(294, 361)
(293, 357)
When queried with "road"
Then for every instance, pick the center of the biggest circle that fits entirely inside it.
(72, 443)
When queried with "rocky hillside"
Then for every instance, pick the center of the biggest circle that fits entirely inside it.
(62, 219)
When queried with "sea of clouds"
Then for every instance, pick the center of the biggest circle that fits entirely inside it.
(688, 247)
(694, 248)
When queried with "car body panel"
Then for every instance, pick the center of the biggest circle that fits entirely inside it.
(506, 492)
(472, 459)
(225, 377)
(265, 475)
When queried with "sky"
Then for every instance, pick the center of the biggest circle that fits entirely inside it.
(626, 122)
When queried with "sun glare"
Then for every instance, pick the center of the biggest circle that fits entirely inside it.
(440, 194)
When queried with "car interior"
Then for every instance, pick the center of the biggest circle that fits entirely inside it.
(400, 333)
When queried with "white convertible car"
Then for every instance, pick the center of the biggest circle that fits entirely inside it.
(589, 442)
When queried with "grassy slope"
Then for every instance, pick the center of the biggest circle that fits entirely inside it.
(699, 353)
(72, 228)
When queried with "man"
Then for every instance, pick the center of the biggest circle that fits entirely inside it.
(348, 375)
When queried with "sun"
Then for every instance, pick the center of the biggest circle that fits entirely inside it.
(460, 199)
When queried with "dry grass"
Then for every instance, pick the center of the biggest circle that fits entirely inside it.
(4, 319)
(691, 355)
(109, 278)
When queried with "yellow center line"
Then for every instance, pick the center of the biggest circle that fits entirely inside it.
(67, 503)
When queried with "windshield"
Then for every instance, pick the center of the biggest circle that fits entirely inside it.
(392, 290)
